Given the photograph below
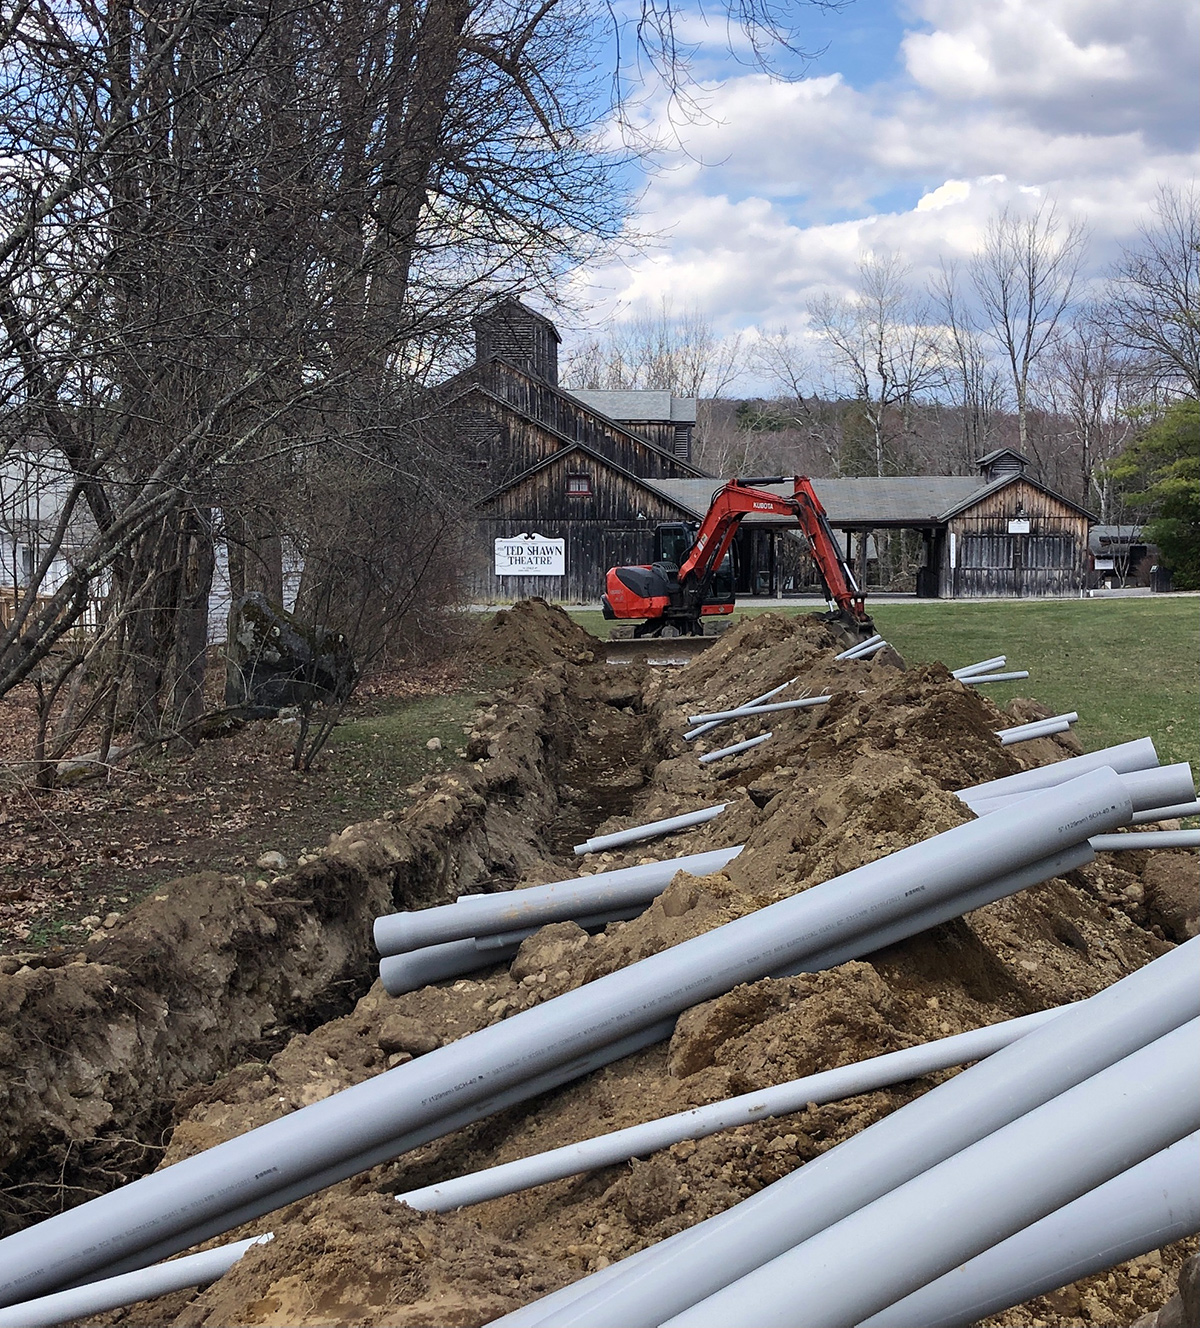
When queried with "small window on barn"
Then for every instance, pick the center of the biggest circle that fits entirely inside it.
(579, 486)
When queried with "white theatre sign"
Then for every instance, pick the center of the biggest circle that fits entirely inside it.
(531, 555)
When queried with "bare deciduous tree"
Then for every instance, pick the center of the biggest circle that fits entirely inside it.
(1154, 292)
(1025, 276)
(234, 237)
(974, 386)
(673, 352)
(215, 257)
(786, 361)
(1089, 393)
(882, 350)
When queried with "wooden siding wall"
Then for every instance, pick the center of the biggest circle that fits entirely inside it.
(499, 446)
(1049, 560)
(673, 438)
(602, 530)
(540, 401)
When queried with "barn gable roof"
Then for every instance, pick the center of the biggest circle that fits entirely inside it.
(903, 500)
(642, 404)
(511, 307)
(996, 453)
(563, 454)
(1003, 483)
(468, 381)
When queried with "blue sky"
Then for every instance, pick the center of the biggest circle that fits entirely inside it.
(915, 124)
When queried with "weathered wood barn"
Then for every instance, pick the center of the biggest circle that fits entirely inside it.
(599, 470)
(551, 463)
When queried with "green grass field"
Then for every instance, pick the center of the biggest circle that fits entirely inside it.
(1128, 666)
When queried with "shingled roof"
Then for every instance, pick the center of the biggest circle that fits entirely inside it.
(647, 404)
(902, 500)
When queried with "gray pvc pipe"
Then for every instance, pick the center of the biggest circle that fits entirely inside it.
(1161, 787)
(415, 969)
(1045, 869)
(1153, 814)
(976, 679)
(1127, 756)
(651, 830)
(318, 1137)
(1148, 1206)
(1070, 717)
(758, 700)
(651, 1286)
(1045, 731)
(996, 662)
(1151, 1205)
(748, 712)
(967, 1203)
(1153, 841)
(862, 650)
(434, 963)
(640, 1140)
(722, 752)
(1146, 788)
(864, 944)
(128, 1288)
(510, 910)
(853, 650)
(392, 1148)
(867, 943)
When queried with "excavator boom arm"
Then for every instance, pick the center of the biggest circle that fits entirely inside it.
(737, 499)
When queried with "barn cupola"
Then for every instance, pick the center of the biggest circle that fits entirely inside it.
(514, 332)
(1002, 464)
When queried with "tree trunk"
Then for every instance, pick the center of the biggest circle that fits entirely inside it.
(191, 626)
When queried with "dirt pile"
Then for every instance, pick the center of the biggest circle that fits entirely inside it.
(943, 728)
(843, 784)
(531, 635)
(212, 970)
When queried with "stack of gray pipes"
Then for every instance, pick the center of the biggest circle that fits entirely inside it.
(429, 944)
(1016, 846)
(918, 1219)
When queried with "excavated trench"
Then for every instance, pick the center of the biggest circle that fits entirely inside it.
(187, 1013)
(103, 1050)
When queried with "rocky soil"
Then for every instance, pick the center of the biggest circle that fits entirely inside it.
(569, 749)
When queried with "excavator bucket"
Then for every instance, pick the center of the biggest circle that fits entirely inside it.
(656, 651)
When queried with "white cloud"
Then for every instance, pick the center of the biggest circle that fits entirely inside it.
(1091, 65)
(775, 195)
(945, 195)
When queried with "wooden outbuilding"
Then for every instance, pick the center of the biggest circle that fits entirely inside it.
(1014, 537)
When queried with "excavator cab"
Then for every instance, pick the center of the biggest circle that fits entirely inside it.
(654, 592)
(673, 542)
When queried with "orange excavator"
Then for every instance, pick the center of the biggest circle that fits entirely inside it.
(670, 599)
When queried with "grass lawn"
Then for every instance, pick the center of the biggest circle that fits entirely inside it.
(1128, 666)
